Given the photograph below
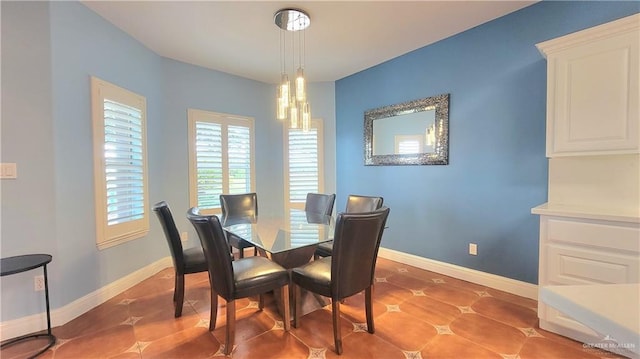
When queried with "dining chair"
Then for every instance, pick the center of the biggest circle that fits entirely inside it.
(355, 204)
(237, 279)
(319, 203)
(348, 271)
(185, 261)
(240, 205)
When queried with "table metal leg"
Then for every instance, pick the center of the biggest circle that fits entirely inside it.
(52, 338)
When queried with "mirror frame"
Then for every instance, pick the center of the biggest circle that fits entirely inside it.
(439, 103)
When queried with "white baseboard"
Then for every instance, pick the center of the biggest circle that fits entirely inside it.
(509, 285)
(61, 316)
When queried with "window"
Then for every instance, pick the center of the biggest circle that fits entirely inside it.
(221, 157)
(120, 163)
(303, 164)
(408, 144)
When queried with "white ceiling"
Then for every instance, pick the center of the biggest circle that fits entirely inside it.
(345, 37)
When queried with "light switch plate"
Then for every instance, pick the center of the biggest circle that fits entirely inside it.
(8, 171)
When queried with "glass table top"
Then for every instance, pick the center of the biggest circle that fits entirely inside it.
(276, 233)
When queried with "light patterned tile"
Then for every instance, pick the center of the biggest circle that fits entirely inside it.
(131, 321)
(381, 280)
(411, 355)
(202, 323)
(359, 327)
(253, 305)
(135, 348)
(126, 301)
(317, 353)
(393, 308)
(418, 293)
(530, 332)
(142, 346)
(466, 310)
(443, 329)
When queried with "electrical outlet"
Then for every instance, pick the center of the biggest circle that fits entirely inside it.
(38, 283)
(184, 236)
(473, 249)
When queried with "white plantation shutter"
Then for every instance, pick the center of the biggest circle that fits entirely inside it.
(208, 164)
(220, 157)
(303, 164)
(120, 168)
(239, 138)
(124, 162)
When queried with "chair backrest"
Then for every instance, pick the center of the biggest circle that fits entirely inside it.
(355, 250)
(216, 250)
(171, 234)
(239, 205)
(320, 203)
(361, 204)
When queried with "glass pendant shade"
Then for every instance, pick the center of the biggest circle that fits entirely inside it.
(301, 92)
(293, 116)
(306, 117)
(285, 87)
(281, 112)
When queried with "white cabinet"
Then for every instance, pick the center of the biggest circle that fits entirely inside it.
(583, 247)
(590, 227)
(592, 90)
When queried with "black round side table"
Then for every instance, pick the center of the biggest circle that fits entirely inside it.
(19, 264)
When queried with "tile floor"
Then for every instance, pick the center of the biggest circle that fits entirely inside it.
(418, 314)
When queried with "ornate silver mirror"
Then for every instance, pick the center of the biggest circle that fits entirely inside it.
(410, 133)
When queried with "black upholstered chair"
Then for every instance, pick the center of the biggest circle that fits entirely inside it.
(236, 279)
(349, 270)
(239, 205)
(355, 204)
(359, 204)
(320, 203)
(185, 261)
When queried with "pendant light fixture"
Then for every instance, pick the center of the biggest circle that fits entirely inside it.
(292, 102)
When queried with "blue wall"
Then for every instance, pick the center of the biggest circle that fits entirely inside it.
(497, 170)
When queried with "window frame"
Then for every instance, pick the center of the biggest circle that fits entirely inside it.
(224, 119)
(112, 235)
(319, 125)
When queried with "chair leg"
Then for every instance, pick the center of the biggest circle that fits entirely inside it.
(337, 335)
(261, 302)
(214, 310)
(297, 307)
(178, 294)
(175, 287)
(231, 327)
(368, 304)
(286, 309)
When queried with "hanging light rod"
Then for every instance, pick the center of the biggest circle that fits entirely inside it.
(292, 19)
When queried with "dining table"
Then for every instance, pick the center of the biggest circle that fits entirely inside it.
(289, 238)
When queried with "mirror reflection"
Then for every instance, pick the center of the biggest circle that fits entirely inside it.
(410, 133)
(405, 134)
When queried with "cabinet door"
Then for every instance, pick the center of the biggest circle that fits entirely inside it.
(593, 97)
